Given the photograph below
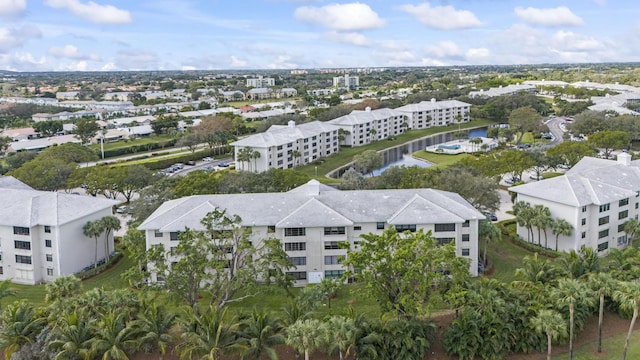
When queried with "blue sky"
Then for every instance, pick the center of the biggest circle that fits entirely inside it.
(60, 35)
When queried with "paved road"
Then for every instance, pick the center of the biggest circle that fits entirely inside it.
(554, 127)
(200, 164)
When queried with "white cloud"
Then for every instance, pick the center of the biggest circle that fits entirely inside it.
(15, 37)
(341, 17)
(71, 52)
(136, 60)
(559, 16)
(109, 67)
(444, 50)
(569, 41)
(187, 68)
(236, 62)
(475, 55)
(91, 11)
(442, 17)
(282, 62)
(12, 7)
(352, 38)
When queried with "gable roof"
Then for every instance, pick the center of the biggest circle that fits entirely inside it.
(316, 205)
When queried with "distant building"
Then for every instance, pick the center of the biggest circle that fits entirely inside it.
(299, 72)
(503, 90)
(346, 81)
(260, 94)
(432, 113)
(67, 95)
(261, 82)
(362, 127)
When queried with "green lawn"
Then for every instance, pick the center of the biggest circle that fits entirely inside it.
(125, 144)
(346, 154)
(440, 159)
(611, 349)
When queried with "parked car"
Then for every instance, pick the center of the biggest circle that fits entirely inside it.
(512, 180)
(490, 216)
(207, 168)
(121, 209)
(178, 166)
(207, 159)
(190, 163)
(223, 164)
(535, 177)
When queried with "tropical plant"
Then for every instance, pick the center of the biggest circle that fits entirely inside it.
(632, 228)
(628, 296)
(207, 335)
(62, 288)
(258, 333)
(20, 325)
(93, 229)
(305, 336)
(72, 339)
(550, 323)
(561, 227)
(570, 292)
(340, 334)
(114, 336)
(5, 290)
(156, 322)
(109, 224)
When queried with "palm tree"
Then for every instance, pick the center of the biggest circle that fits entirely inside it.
(156, 323)
(62, 288)
(207, 335)
(109, 224)
(93, 229)
(601, 283)
(475, 141)
(296, 155)
(536, 270)
(628, 296)
(5, 291)
(259, 332)
(524, 216)
(20, 325)
(542, 220)
(114, 336)
(552, 324)
(568, 292)
(561, 227)
(488, 232)
(304, 336)
(255, 156)
(72, 339)
(340, 333)
(632, 228)
(245, 154)
(293, 312)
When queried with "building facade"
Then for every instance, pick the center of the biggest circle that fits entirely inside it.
(313, 219)
(362, 127)
(596, 197)
(261, 82)
(286, 146)
(432, 113)
(41, 233)
(346, 81)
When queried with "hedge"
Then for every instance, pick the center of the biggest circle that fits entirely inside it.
(516, 240)
(100, 268)
(134, 149)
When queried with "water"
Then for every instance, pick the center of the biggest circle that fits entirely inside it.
(401, 155)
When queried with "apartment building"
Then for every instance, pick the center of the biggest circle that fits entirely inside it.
(311, 221)
(346, 81)
(503, 90)
(261, 82)
(427, 114)
(287, 146)
(41, 236)
(596, 197)
(362, 127)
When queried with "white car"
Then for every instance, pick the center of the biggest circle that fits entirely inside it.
(207, 159)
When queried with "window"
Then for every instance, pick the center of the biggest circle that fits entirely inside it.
(442, 241)
(465, 237)
(637, 205)
(357, 228)
(444, 227)
(22, 245)
(173, 236)
(621, 227)
(47, 229)
(623, 202)
(49, 272)
(584, 221)
(465, 252)
(298, 275)
(603, 246)
(295, 246)
(336, 230)
(271, 229)
(333, 274)
(605, 207)
(604, 233)
(623, 214)
(331, 245)
(294, 232)
(1, 270)
(49, 257)
(380, 225)
(158, 234)
(333, 259)
(298, 260)
(47, 243)
(603, 220)
(21, 259)
(409, 227)
(583, 235)
(17, 230)
(584, 209)
(465, 224)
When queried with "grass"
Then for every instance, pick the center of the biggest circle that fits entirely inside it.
(262, 101)
(129, 143)
(440, 159)
(611, 348)
(345, 155)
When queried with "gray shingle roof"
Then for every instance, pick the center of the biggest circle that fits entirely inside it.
(282, 134)
(9, 182)
(362, 117)
(313, 205)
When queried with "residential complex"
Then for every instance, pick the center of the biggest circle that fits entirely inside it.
(363, 127)
(41, 233)
(426, 114)
(346, 81)
(287, 146)
(261, 82)
(506, 90)
(596, 197)
(313, 219)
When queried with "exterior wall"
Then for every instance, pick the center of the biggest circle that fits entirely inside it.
(422, 119)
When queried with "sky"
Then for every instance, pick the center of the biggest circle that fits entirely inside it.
(113, 35)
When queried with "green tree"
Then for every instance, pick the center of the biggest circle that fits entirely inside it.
(207, 336)
(48, 128)
(523, 120)
(156, 323)
(550, 323)
(488, 232)
(86, 129)
(340, 334)
(259, 333)
(367, 161)
(628, 297)
(20, 325)
(561, 227)
(93, 229)
(245, 154)
(571, 151)
(114, 336)
(392, 268)
(62, 288)
(190, 141)
(109, 224)
(602, 284)
(135, 246)
(5, 290)
(4, 144)
(165, 124)
(479, 190)
(609, 141)
(137, 177)
(524, 215)
(304, 336)
(632, 229)
(72, 339)
(571, 292)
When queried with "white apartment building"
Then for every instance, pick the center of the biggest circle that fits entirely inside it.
(503, 90)
(261, 82)
(41, 235)
(346, 81)
(363, 127)
(311, 221)
(287, 146)
(596, 197)
(426, 114)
